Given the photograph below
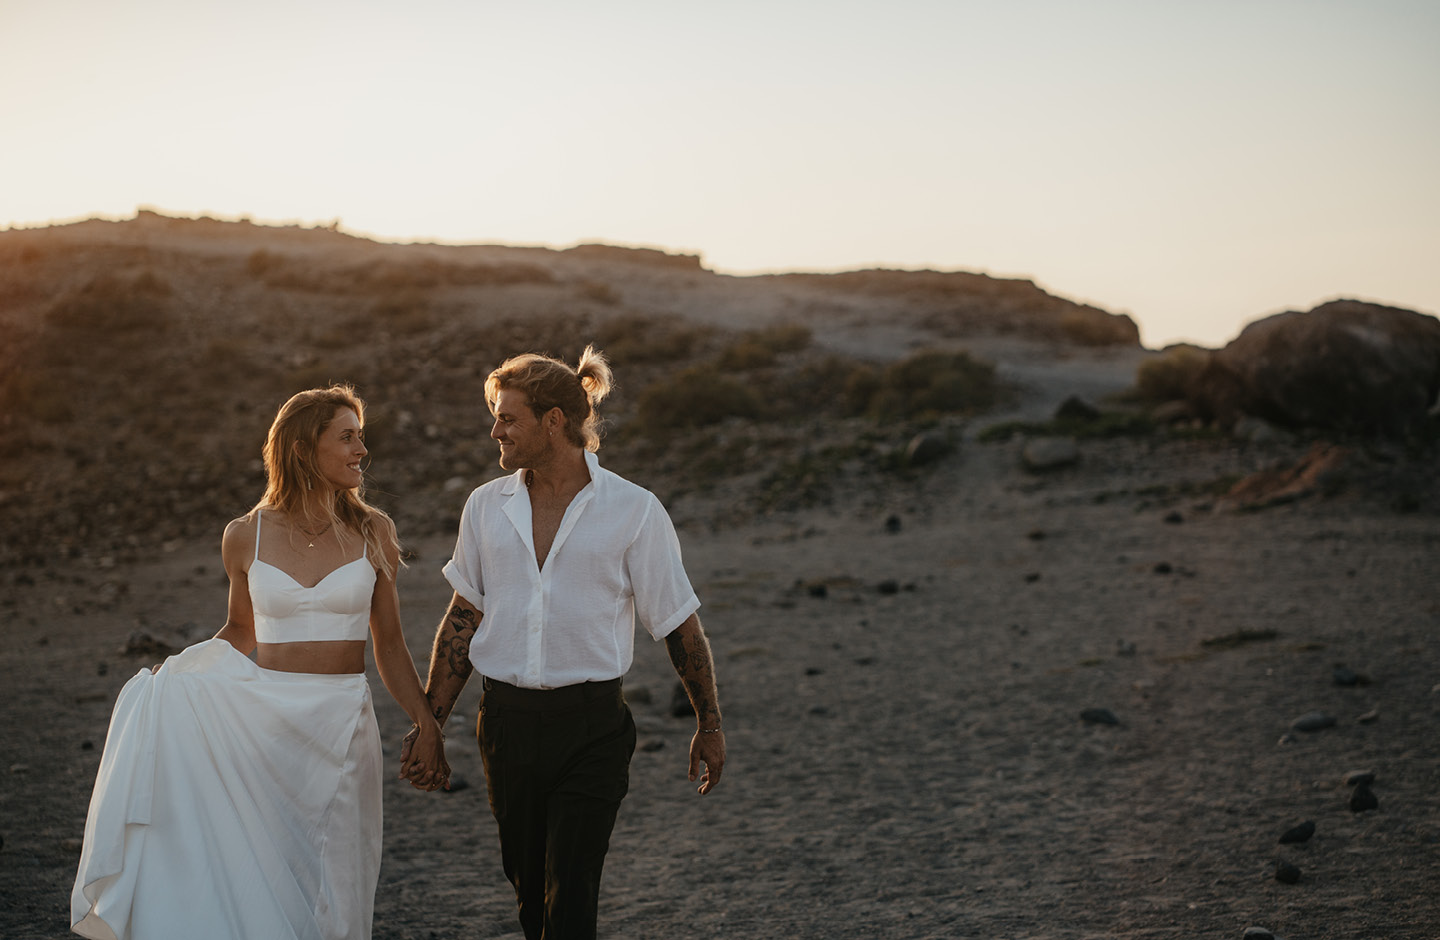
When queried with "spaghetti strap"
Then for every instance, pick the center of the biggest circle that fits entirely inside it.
(259, 514)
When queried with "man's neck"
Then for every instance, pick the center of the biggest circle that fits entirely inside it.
(566, 473)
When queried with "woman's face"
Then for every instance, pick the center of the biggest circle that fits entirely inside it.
(339, 451)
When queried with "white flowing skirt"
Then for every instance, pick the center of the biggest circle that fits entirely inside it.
(233, 802)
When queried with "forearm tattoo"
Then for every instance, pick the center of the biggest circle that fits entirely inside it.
(696, 669)
(450, 664)
(463, 624)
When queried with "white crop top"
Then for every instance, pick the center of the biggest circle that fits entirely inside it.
(338, 608)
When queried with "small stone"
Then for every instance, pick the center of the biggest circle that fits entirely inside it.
(1032, 577)
(1297, 834)
(18, 769)
(888, 586)
(1356, 778)
(102, 668)
(1050, 453)
(1257, 933)
(1124, 648)
(1287, 738)
(1286, 873)
(1346, 677)
(892, 524)
(457, 783)
(1315, 721)
(1369, 717)
(925, 448)
(1076, 408)
(1173, 517)
(650, 745)
(72, 844)
(1163, 567)
(1363, 799)
(817, 589)
(1099, 716)
(814, 671)
(1036, 535)
(87, 745)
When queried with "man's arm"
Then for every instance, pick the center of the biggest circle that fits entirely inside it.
(690, 655)
(450, 668)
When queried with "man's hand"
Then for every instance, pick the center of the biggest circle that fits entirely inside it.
(707, 747)
(415, 769)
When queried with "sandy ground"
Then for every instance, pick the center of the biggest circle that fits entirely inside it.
(903, 704)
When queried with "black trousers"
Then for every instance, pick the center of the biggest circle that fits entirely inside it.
(557, 763)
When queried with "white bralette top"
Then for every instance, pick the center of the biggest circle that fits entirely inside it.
(338, 608)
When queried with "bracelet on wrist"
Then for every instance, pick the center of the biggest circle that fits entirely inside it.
(708, 730)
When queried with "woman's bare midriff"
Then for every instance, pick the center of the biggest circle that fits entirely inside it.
(323, 656)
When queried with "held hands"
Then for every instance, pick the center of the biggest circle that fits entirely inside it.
(707, 747)
(422, 758)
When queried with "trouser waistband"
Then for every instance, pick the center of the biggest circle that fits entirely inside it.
(567, 696)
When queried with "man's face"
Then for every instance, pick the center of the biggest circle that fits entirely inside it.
(523, 441)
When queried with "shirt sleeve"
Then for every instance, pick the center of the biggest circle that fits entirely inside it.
(463, 570)
(663, 595)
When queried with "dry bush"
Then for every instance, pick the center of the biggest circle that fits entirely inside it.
(1169, 376)
(745, 355)
(934, 382)
(600, 292)
(114, 303)
(641, 339)
(695, 397)
(1091, 327)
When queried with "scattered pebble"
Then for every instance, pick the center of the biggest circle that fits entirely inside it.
(650, 745)
(1346, 677)
(1257, 933)
(1300, 833)
(1099, 716)
(818, 589)
(1363, 799)
(1032, 577)
(1036, 535)
(72, 844)
(18, 769)
(1163, 567)
(1315, 721)
(814, 671)
(1286, 873)
(457, 783)
(1050, 453)
(892, 524)
(1174, 517)
(102, 668)
(1124, 648)
(888, 586)
(87, 745)
(1357, 778)
(1369, 717)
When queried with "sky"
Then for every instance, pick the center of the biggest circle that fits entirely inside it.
(1197, 165)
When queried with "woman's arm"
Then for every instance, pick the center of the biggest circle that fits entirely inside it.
(235, 552)
(397, 669)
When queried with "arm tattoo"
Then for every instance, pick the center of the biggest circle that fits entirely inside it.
(697, 673)
(457, 645)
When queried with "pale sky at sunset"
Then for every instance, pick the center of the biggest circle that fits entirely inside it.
(1194, 164)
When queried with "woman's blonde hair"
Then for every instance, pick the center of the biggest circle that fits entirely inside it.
(550, 383)
(290, 468)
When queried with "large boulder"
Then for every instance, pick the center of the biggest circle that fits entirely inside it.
(1346, 366)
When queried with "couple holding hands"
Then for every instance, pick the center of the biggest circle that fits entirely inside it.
(239, 792)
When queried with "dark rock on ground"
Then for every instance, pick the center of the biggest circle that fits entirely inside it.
(1287, 873)
(1099, 716)
(1349, 366)
(1076, 408)
(1363, 799)
(1315, 721)
(1297, 834)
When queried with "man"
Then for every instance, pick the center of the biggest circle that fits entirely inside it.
(551, 567)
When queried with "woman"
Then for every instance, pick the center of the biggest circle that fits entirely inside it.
(242, 799)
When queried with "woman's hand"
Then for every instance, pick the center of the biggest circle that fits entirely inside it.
(422, 758)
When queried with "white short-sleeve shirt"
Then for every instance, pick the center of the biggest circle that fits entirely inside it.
(615, 557)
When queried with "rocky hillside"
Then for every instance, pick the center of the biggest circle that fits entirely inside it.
(143, 360)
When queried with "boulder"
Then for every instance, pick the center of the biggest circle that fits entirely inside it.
(1346, 365)
(1050, 453)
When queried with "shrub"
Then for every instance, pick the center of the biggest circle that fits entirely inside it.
(639, 339)
(932, 381)
(746, 354)
(1169, 376)
(114, 303)
(695, 397)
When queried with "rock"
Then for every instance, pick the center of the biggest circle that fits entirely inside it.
(1172, 412)
(888, 586)
(1343, 676)
(1321, 470)
(1173, 517)
(817, 589)
(72, 844)
(1297, 834)
(1254, 430)
(87, 745)
(141, 643)
(1124, 648)
(1286, 873)
(102, 668)
(1099, 716)
(1357, 778)
(1076, 408)
(651, 745)
(1368, 717)
(1049, 453)
(892, 524)
(457, 783)
(1348, 366)
(925, 448)
(1163, 567)
(814, 671)
(1363, 799)
(1032, 577)
(1315, 721)
(1257, 933)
